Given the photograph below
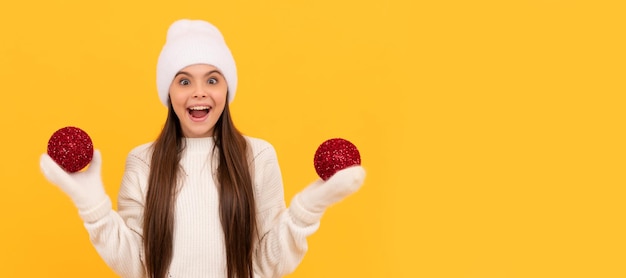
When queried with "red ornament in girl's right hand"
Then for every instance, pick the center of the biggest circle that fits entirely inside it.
(71, 148)
(334, 155)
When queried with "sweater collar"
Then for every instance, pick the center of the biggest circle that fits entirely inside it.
(204, 144)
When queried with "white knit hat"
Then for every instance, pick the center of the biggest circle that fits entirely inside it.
(191, 42)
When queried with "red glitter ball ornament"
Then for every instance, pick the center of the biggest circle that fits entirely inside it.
(334, 155)
(71, 148)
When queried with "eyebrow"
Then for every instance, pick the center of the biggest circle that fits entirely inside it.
(206, 74)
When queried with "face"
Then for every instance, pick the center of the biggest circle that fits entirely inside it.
(198, 95)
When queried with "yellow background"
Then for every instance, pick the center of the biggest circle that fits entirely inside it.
(492, 131)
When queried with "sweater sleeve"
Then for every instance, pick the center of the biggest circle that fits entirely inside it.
(283, 231)
(117, 236)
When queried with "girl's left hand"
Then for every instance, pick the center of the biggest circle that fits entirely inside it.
(321, 194)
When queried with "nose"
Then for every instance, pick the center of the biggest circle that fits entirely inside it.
(199, 92)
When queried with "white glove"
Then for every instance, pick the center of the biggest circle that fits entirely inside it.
(321, 194)
(84, 188)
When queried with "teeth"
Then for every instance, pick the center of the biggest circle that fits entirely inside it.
(199, 108)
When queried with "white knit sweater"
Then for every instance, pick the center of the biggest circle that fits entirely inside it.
(198, 237)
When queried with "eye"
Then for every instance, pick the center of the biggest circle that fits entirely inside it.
(184, 82)
(212, 81)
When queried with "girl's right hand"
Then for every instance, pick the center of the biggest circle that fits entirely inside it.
(84, 188)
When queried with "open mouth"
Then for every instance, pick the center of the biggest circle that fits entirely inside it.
(198, 112)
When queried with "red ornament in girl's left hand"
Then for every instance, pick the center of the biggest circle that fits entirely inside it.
(71, 148)
(334, 155)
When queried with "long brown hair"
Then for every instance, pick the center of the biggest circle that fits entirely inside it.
(236, 195)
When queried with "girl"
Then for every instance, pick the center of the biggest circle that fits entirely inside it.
(202, 200)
